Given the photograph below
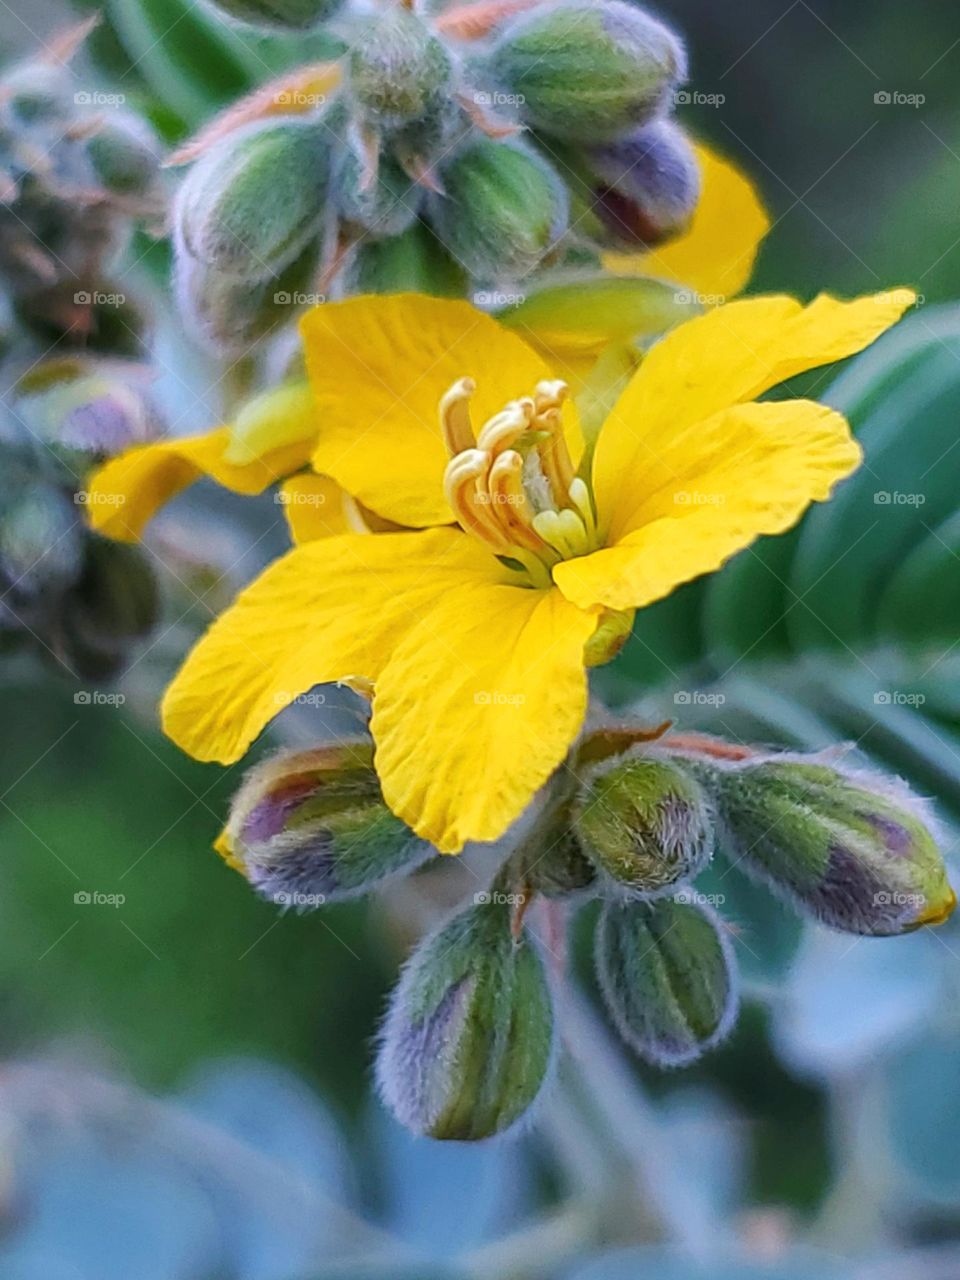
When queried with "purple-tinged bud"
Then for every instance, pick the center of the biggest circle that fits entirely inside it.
(468, 1039)
(853, 848)
(309, 827)
(588, 71)
(645, 186)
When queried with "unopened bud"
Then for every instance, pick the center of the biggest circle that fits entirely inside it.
(41, 541)
(84, 411)
(298, 15)
(504, 209)
(230, 314)
(588, 71)
(113, 603)
(645, 187)
(468, 1038)
(667, 976)
(311, 826)
(853, 848)
(644, 821)
(251, 205)
(399, 70)
(387, 206)
(124, 157)
(414, 262)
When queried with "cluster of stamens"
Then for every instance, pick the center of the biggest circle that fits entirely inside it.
(513, 485)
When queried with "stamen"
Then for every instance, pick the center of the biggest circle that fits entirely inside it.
(580, 497)
(504, 428)
(564, 532)
(455, 417)
(510, 502)
(460, 487)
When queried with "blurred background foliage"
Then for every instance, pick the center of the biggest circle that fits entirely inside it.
(833, 1115)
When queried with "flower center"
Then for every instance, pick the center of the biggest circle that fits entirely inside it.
(513, 485)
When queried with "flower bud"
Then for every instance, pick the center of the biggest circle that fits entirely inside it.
(41, 541)
(468, 1038)
(297, 15)
(644, 821)
(387, 207)
(230, 314)
(124, 157)
(645, 186)
(668, 978)
(413, 262)
(588, 71)
(399, 70)
(311, 826)
(112, 604)
(251, 205)
(854, 849)
(504, 209)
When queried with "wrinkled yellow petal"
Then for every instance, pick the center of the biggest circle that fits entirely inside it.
(282, 415)
(316, 507)
(729, 356)
(714, 258)
(327, 610)
(747, 471)
(126, 491)
(378, 366)
(477, 706)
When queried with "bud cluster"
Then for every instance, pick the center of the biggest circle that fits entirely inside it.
(489, 140)
(468, 1041)
(77, 170)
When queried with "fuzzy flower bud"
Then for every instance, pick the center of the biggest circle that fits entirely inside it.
(644, 821)
(41, 541)
(296, 15)
(113, 603)
(667, 976)
(124, 156)
(645, 186)
(386, 206)
(308, 827)
(504, 209)
(854, 849)
(468, 1039)
(588, 71)
(399, 70)
(251, 205)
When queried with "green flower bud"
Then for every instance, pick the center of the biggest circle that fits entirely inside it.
(854, 849)
(308, 827)
(668, 978)
(113, 603)
(297, 15)
(124, 157)
(412, 262)
(468, 1038)
(41, 541)
(504, 209)
(251, 206)
(229, 314)
(588, 71)
(399, 70)
(387, 207)
(644, 821)
(644, 187)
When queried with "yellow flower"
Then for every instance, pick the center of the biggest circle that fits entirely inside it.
(572, 328)
(474, 625)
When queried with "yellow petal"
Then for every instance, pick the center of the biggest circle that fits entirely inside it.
(726, 357)
(316, 507)
(327, 610)
(126, 492)
(477, 706)
(714, 258)
(378, 367)
(283, 415)
(747, 471)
